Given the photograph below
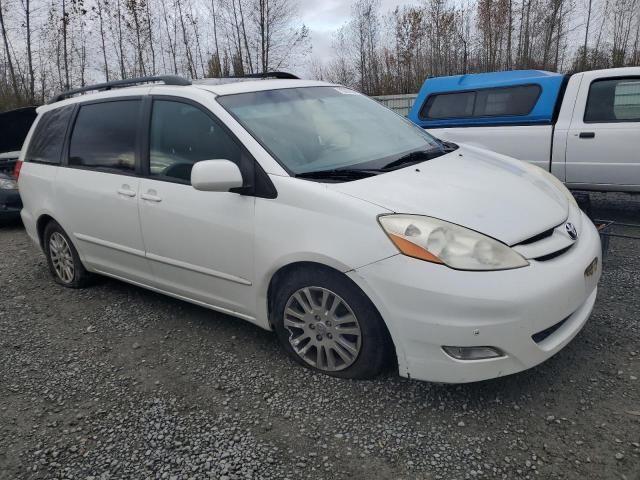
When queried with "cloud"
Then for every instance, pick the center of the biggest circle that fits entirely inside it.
(324, 17)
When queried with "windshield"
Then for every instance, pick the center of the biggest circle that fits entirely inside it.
(313, 129)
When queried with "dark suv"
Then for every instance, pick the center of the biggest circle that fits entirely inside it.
(14, 125)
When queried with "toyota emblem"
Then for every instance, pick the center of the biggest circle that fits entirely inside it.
(571, 230)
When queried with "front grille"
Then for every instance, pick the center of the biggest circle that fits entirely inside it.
(547, 332)
(544, 246)
(553, 255)
(538, 237)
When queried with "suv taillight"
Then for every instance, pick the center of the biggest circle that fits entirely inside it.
(17, 168)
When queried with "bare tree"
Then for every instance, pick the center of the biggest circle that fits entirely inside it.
(120, 39)
(586, 35)
(622, 22)
(99, 9)
(26, 7)
(214, 64)
(8, 55)
(150, 39)
(65, 51)
(170, 38)
(48, 45)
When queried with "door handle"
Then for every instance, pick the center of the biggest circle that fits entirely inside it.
(150, 197)
(127, 192)
(587, 135)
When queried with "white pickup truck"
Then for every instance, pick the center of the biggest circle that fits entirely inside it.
(583, 128)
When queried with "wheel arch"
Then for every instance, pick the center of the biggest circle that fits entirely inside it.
(41, 225)
(285, 270)
(289, 268)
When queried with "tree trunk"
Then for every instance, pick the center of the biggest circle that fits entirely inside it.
(32, 80)
(5, 39)
(215, 33)
(244, 35)
(262, 24)
(123, 73)
(136, 21)
(185, 38)
(172, 43)
(238, 46)
(151, 42)
(102, 41)
(586, 38)
(509, 34)
(65, 53)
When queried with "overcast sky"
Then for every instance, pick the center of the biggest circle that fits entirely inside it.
(324, 17)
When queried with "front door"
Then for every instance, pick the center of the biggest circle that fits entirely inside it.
(603, 145)
(199, 244)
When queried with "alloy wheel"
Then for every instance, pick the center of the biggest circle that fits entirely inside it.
(61, 257)
(323, 330)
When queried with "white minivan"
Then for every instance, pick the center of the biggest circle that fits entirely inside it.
(309, 209)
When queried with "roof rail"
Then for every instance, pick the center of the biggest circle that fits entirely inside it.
(166, 79)
(280, 75)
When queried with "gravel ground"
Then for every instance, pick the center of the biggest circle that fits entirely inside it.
(118, 382)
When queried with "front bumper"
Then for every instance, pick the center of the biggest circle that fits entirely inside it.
(10, 204)
(427, 306)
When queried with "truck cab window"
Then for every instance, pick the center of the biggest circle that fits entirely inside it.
(613, 100)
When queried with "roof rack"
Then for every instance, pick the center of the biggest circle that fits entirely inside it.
(166, 79)
(280, 75)
(249, 76)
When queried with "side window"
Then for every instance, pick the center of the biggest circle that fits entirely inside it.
(182, 135)
(497, 102)
(614, 100)
(104, 136)
(47, 140)
(490, 102)
(449, 105)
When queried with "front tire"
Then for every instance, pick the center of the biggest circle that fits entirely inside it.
(63, 259)
(326, 323)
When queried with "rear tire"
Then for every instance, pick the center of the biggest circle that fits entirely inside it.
(326, 323)
(63, 259)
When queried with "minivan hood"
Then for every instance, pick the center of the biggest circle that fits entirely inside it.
(496, 195)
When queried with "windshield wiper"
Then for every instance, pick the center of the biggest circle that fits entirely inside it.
(413, 157)
(339, 173)
(410, 158)
(448, 146)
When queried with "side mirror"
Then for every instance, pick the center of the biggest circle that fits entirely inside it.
(215, 176)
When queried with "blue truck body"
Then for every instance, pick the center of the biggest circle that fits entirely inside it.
(550, 87)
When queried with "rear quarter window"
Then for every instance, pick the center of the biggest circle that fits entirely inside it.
(48, 138)
(104, 135)
(490, 102)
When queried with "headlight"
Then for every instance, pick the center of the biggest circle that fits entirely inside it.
(442, 242)
(8, 184)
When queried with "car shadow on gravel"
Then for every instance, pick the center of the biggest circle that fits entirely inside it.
(238, 337)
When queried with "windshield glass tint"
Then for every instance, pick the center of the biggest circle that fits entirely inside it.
(319, 128)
